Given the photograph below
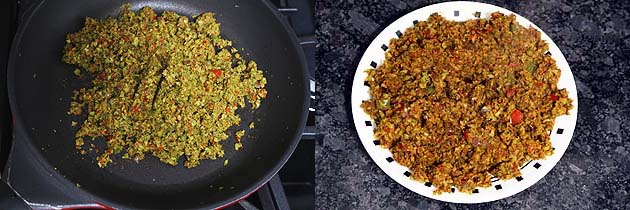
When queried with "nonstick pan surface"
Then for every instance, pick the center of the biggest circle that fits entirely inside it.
(40, 86)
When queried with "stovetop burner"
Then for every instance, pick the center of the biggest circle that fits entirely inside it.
(294, 185)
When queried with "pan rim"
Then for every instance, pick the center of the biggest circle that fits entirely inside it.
(40, 160)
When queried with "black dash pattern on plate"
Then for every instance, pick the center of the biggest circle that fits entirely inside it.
(377, 142)
(366, 83)
(384, 47)
(399, 34)
(526, 164)
(373, 64)
(389, 159)
(498, 187)
(476, 191)
(368, 123)
(428, 184)
(519, 178)
(456, 13)
(452, 189)
(415, 22)
(560, 131)
(407, 173)
(537, 165)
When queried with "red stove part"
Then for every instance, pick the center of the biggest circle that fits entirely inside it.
(245, 196)
(96, 205)
(100, 206)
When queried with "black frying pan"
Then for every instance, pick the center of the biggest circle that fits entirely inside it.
(40, 86)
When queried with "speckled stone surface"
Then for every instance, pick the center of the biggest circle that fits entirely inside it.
(594, 172)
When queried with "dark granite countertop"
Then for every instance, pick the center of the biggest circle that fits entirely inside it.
(594, 172)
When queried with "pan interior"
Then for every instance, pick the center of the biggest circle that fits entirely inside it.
(43, 84)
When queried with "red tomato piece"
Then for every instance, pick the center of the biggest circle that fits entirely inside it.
(516, 117)
(553, 97)
(511, 92)
(101, 76)
(217, 72)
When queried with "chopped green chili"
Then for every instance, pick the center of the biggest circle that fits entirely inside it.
(162, 85)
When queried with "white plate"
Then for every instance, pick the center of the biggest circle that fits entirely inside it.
(458, 11)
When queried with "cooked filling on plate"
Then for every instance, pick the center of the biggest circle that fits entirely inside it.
(461, 102)
(161, 85)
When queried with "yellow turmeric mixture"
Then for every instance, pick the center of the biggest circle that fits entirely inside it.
(460, 102)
